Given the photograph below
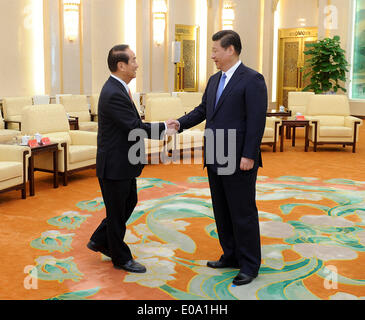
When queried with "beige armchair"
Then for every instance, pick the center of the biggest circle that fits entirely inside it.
(331, 122)
(14, 168)
(162, 109)
(6, 135)
(298, 101)
(94, 102)
(271, 133)
(77, 149)
(12, 108)
(77, 106)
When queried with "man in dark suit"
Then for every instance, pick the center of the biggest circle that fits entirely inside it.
(117, 118)
(235, 101)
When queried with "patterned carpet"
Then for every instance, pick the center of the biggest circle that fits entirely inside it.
(312, 222)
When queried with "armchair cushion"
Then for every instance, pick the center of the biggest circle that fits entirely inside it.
(332, 131)
(297, 101)
(80, 153)
(77, 106)
(13, 106)
(10, 170)
(329, 105)
(163, 108)
(44, 119)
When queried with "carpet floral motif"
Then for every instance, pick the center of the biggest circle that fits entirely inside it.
(317, 224)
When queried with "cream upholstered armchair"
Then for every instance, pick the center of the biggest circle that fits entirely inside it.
(77, 106)
(6, 135)
(14, 168)
(331, 122)
(298, 101)
(162, 109)
(271, 133)
(94, 102)
(12, 109)
(77, 149)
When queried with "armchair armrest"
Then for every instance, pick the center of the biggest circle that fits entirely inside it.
(83, 138)
(60, 141)
(350, 120)
(13, 152)
(6, 122)
(313, 120)
(93, 116)
(272, 121)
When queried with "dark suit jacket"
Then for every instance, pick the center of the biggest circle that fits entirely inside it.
(117, 116)
(242, 106)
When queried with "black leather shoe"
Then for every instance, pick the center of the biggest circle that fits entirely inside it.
(221, 264)
(131, 266)
(242, 278)
(97, 248)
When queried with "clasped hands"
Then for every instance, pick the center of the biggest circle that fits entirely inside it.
(172, 127)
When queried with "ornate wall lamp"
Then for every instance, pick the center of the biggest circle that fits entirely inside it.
(228, 15)
(71, 16)
(159, 10)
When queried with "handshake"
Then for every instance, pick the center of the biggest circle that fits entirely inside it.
(172, 127)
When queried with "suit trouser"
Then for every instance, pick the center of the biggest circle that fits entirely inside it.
(120, 199)
(236, 216)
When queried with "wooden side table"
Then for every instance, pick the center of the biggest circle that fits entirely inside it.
(293, 123)
(52, 147)
(279, 114)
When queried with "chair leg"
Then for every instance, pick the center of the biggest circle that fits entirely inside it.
(65, 178)
(315, 146)
(24, 192)
(354, 148)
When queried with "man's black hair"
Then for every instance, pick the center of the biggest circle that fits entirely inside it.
(228, 38)
(117, 54)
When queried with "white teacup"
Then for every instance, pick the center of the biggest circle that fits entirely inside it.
(38, 137)
(25, 140)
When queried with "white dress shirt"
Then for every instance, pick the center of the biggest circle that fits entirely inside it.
(229, 73)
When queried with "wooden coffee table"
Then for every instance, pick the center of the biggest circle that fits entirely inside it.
(293, 123)
(52, 147)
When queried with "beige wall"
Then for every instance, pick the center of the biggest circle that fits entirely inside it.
(107, 30)
(293, 10)
(16, 63)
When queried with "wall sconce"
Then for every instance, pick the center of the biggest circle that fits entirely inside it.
(71, 18)
(227, 15)
(159, 10)
(302, 22)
